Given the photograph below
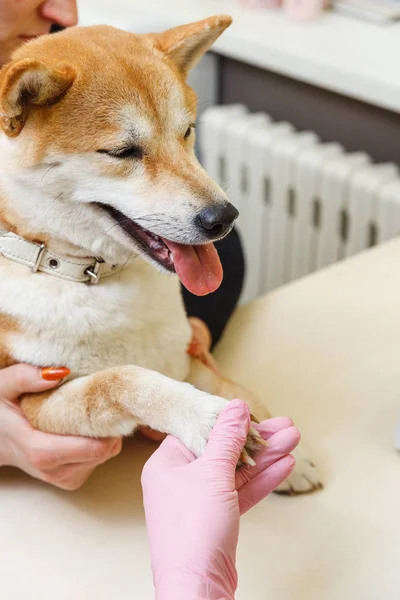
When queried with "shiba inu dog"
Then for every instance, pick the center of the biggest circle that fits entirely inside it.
(103, 209)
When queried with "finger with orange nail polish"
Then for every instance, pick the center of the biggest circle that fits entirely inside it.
(54, 373)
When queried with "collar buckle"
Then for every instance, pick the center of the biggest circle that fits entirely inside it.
(38, 259)
(93, 271)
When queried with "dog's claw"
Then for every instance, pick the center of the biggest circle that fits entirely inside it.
(253, 445)
(254, 419)
(246, 459)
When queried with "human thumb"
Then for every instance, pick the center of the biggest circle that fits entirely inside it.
(21, 379)
(229, 435)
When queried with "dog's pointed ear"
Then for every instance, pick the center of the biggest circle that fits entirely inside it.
(27, 82)
(185, 45)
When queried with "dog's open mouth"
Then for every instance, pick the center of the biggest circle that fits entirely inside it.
(198, 267)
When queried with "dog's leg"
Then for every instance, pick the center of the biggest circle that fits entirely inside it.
(305, 477)
(116, 401)
(207, 380)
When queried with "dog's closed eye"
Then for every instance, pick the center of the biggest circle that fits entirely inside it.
(189, 130)
(128, 152)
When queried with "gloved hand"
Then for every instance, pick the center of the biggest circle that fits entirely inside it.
(193, 506)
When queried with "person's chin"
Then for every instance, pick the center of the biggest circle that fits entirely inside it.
(27, 37)
(7, 49)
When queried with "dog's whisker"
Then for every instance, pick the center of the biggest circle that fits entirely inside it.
(48, 171)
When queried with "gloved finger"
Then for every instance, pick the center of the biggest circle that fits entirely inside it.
(229, 435)
(266, 482)
(171, 453)
(268, 427)
(281, 443)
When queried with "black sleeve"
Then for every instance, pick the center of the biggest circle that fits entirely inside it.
(216, 309)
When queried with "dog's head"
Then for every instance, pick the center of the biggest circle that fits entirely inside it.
(97, 149)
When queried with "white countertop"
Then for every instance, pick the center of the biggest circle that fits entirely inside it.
(324, 350)
(351, 57)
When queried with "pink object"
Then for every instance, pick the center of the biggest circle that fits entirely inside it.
(304, 10)
(192, 506)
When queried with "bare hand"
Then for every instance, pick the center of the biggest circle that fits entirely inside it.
(200, 344)
(63, 461)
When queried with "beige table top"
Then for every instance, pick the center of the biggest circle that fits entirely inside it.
(324, 350)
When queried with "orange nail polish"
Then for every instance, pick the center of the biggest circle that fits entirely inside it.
(55, 373)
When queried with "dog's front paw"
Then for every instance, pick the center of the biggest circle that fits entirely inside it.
(304, 477)
(199, 422)
(195, 436)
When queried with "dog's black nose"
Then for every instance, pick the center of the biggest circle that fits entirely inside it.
(216, 220)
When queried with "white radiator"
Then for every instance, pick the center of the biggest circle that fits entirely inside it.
(303, 204)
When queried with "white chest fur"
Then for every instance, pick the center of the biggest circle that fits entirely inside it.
(136, 317)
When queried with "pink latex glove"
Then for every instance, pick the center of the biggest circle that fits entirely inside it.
(193, 506)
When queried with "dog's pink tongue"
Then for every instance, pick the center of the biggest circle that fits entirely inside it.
(198, 267)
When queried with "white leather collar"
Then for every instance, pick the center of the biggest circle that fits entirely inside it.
(39, 258)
